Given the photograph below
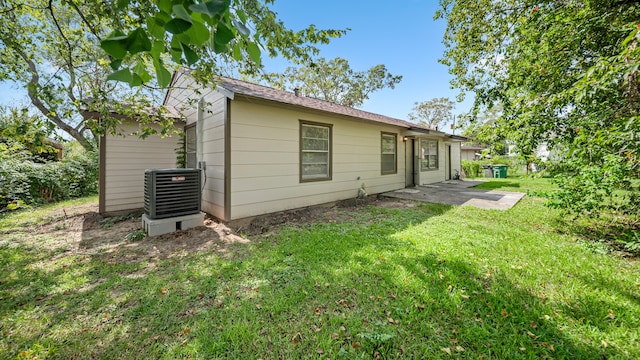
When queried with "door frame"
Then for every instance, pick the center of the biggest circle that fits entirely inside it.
(409, 162)
(447, 162)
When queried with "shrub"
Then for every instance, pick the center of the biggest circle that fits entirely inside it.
(25, 182)
(597, 189)
(471, 168)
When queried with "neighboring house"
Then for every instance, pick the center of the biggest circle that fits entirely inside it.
(265, 150)
(542, 152)
(470, 152)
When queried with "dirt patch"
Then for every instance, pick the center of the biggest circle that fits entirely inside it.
(81, 230)
(124, 236)
(340, 211)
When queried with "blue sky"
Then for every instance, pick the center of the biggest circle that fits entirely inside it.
(401, 35)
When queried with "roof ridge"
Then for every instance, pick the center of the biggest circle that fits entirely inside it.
(269, 93)
(310, 97)
(327, 104)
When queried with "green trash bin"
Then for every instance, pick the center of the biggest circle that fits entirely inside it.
(500, 171)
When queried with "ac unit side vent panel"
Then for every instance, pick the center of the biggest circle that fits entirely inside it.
(171, 192)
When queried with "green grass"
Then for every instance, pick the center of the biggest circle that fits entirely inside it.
(520, 184)
(431, 281)
(43, 214)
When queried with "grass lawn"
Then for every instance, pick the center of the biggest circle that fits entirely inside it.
(421, 281)
(522, 184)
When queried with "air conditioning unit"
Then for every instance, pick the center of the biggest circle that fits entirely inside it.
(171, 192)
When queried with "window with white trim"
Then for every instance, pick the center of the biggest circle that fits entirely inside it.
(428, 154)
(315, 151)
(190, 146)
(389, 164)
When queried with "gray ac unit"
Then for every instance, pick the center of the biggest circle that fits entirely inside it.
(171, 192)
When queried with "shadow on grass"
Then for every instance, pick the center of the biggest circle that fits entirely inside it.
(604, 234)
(496, 185)
(321, 289)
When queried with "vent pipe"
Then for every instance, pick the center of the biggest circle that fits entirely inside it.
(296, 91)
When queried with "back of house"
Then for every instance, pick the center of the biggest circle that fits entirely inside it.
(264, 150)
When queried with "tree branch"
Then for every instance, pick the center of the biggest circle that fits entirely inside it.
(72, 73)
(55, 21)
(33, 96)
(84, 20)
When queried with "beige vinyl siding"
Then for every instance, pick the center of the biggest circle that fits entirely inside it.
(211, 143)
(182, 94)
(265, 156)
(213, 148)
(456, 158)
(437, 175)
(126, 158)
(468, 154)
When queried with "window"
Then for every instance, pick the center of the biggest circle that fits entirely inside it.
(315, 151)
(389, 158)
(190, 146)
(428, 154)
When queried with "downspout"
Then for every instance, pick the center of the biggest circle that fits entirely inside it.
(199, 126)
(201, 164)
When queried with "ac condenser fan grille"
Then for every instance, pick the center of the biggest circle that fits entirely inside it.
(171, 192)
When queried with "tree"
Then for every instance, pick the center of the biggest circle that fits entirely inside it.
(483, 129)
(25, 136)
(572, 84)
(335, 81)
(65, 51)
(432, 113)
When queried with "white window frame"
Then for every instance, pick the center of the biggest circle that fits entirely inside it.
(316, 177)
(426, 157)
(190, 155)
(394, 137)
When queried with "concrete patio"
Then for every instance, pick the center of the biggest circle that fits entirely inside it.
(459, 192)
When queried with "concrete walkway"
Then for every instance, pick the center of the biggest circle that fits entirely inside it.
(458, 192)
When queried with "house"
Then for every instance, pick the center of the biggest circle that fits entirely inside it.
(264, 150)
(541, 152)
(471, 152)
(124, 157)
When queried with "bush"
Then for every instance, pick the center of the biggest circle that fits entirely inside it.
(515, 167)
(471, 168)
(597, 189)
(24, 182)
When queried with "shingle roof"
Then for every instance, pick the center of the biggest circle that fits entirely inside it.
(285, 97)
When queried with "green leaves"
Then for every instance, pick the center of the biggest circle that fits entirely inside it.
(433, 113)
(182, 21)
(335, 81)
(566, 75)
(125, 75)
(115, 45)
(163, 75)
(210, 8)
(186, 33)
(118, 45)
(183, 30)
(221, 37)
(177, 26)
(197, 35)
(254, 52)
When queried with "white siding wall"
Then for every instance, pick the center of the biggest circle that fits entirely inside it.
(126, 158)
(437, 175)
(212, 132)
(456, 158)
(468, 155)
(265, 160)
(213, 147)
